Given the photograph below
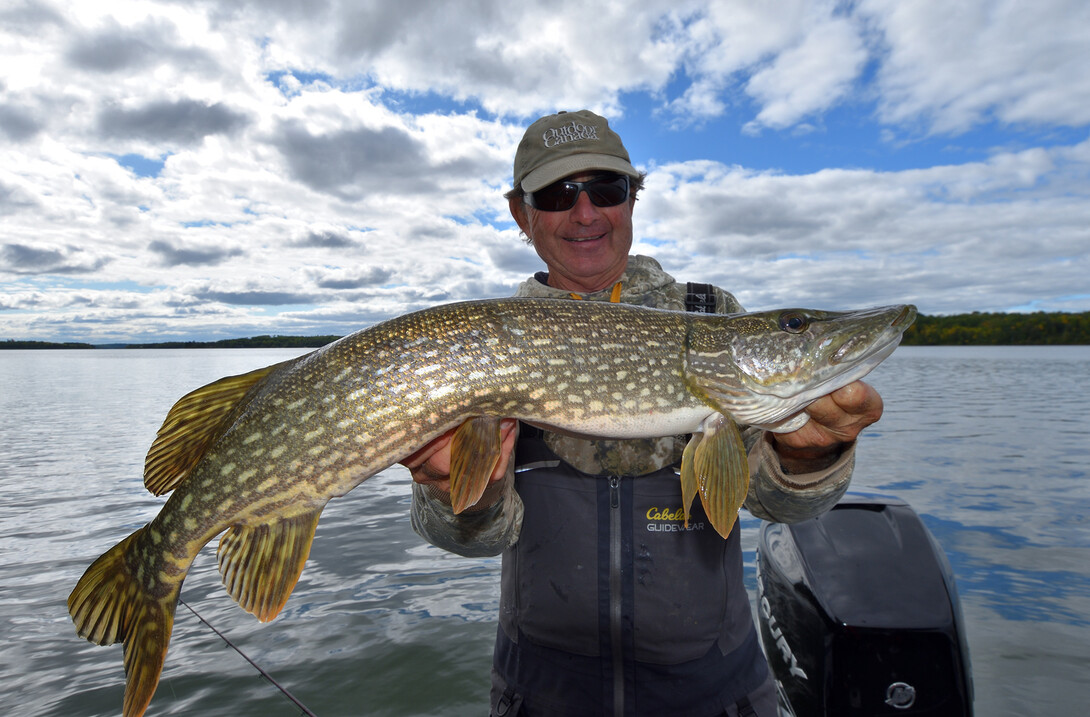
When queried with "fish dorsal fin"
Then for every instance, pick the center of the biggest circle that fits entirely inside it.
(193, 424)
(715, 461)
(474, 452)
(260, 563)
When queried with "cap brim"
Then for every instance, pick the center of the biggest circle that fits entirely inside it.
(567, 166)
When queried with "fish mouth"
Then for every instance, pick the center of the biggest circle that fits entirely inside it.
(865, 348)
(906, 317)
(850, 350)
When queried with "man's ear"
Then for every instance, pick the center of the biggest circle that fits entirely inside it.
(519, 214)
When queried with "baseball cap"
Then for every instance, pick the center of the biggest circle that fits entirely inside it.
(567, 143)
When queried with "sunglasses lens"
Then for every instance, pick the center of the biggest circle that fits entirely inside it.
(607, 191)
(556, 197)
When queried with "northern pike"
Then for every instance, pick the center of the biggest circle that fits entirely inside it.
(257, 456)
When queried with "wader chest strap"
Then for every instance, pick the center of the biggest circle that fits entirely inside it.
(700, 298)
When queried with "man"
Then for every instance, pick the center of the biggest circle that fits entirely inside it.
(608, 604)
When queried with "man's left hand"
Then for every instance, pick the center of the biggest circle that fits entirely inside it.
(835, 421)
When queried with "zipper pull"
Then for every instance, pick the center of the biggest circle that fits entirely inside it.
(614, 491)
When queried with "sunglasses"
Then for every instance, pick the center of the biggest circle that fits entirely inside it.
(606, 191)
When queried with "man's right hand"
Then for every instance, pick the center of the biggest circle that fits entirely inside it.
(431, 464)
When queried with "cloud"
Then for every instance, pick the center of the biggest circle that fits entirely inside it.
(809, 77)
(15, 199)
(172, 255)
(182, 121)
(18, 123)
(113, 48)
(361, 278)
(515, 257)
(26, 259)
(951, 67)
(325, 240)
(354, 161)
(514, 59)
(265, 166)
(256, 298)
(29, 16)
(946, 237)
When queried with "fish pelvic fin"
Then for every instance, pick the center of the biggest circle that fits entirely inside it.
(110, 605)
(194, 423)
(260, 563)
(715, 463)
(474, 453)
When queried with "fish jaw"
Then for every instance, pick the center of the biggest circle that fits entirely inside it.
(765, 368)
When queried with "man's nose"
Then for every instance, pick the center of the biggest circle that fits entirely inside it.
(584, 210)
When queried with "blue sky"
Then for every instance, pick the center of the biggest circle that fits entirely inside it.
(233, 167)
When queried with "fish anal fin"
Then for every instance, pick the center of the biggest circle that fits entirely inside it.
(109, 605)
(193, 424)
(474, 452)
(722, 471)
(261, 562)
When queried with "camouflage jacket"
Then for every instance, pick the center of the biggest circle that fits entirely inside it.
(773, 494)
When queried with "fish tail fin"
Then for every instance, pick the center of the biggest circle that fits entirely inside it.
(145, 652)
(110, 605)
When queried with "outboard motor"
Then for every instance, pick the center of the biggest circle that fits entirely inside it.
(859, 614)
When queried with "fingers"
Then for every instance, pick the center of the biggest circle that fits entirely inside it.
(835, 420)
(437, 453)
(431, 464)
(859, 399)
(508, 435)
(846, 411)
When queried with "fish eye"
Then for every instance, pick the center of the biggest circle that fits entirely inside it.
(793, 322)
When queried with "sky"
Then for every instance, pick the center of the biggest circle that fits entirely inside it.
(211, 169)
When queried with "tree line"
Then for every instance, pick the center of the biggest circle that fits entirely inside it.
(13, 344)
(987, 329)
(254, 342)
(975, 329)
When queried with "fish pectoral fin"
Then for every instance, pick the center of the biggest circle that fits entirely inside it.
(261, 562)
(110, 605)
(689, 482)
(193, 424)
(722, 471)
(474, 452)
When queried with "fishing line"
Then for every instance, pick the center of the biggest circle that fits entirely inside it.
(256, 666)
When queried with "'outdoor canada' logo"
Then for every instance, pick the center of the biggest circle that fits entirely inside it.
(570, 132)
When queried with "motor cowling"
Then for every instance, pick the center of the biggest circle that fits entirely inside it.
(859, 614)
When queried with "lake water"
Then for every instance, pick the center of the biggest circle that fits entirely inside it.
(989, 445)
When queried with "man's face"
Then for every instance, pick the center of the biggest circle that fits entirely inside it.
(585, 247)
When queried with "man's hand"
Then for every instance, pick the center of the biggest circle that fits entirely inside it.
(431, 464)
(835, 421)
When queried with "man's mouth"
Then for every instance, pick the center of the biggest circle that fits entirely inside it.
(578, 240)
